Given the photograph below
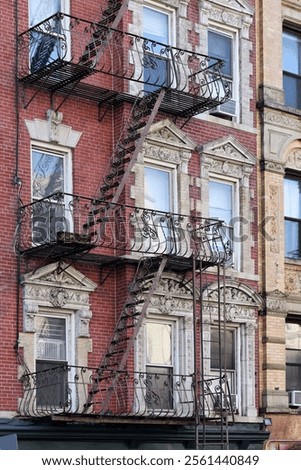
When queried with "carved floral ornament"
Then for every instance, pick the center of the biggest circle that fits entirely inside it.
(57, 287)
(227, 157)
(241, 303)
(294, 159)
(235, 13)
(171, 297)
(167, 143)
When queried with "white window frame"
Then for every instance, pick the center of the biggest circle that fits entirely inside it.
(70, 337)
(66, 155)
(233, 375)
(234, 86)
(162, 242)
(235, 243)
(70, 345)
(171, 14)
(177, 354)
(171, 170)
(174, 350)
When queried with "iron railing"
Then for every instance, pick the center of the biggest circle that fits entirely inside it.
(64, 390)
(64, 49)
(67, 220)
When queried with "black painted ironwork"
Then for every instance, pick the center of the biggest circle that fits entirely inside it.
(63, 50)
(63, 224)
(64, 390)
(127, 327)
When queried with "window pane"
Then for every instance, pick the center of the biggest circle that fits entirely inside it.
(293, 356)
(155, 25)
(51, 384)
(292, 239)
(47, 174)
(159, 343)
(157, 189)
(51, 338)
(42, 9)
(292, 198)
(293, 377)
(220, 201)
(292, 90)
(225, 348)
(159, 388)
(220, 47)
(291, 53)
(293, 336)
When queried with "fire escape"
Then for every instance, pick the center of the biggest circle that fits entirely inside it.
(71, 57)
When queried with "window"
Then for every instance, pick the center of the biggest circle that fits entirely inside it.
(223, 354)
(221, 46)
(156, 28)
(292, 217)
(291, 57)
(222, 206)
(51, 361)
(224, 363)
(160, 199)
(159, 364)
(293, 355)
(158, 189)
(50, 182)
(46, 44)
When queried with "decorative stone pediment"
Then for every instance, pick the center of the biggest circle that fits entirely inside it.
(238, 5)
(227, 157)
(233, 13)
(58, 275)
(171, 296)
(167, 143)
(241, 302)
(229, 149)
(166, 132)
(57, 286)
(235, 292)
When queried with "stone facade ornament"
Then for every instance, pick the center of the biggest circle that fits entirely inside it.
(83, 317)
(55, 286)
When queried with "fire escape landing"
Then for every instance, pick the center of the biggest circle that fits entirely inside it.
(92, 61)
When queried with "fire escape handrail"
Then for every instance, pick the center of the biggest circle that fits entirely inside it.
(98, 48)
(65, 219)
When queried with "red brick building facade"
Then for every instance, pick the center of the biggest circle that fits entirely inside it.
(129, 252)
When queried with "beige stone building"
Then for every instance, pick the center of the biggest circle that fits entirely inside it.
(279, 151)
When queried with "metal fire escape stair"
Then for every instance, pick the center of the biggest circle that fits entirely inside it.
(134, 310)
(125, 154)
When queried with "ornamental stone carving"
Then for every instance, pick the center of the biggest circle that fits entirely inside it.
(282, 120)
(276, 302)
(52, 130)
(171, 297)
(294, 159)
(57, 286)
(240, 302)
(292, 281)
(233, 13)
(58, 297)
(83, 317)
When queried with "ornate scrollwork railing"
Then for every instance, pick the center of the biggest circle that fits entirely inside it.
(67, 219)
(64, 390)
(62, 41)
